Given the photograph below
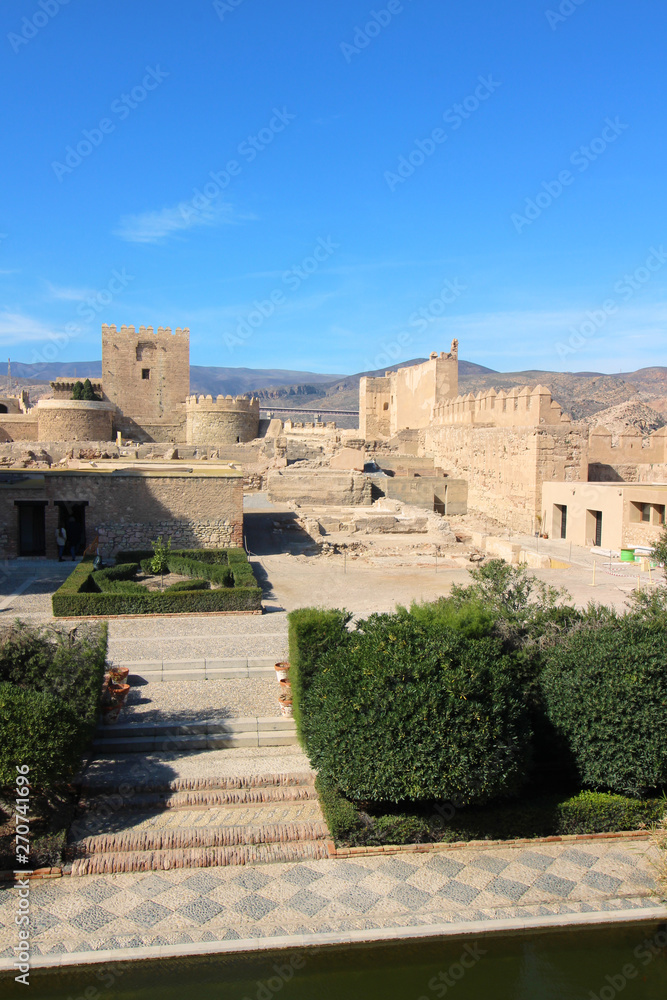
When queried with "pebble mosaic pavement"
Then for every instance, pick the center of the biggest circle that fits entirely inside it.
(98, 913)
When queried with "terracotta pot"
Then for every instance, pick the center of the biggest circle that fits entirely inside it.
(119, 674)
(285, 689)
(282, 671)
(110, 714)
(118, 693)
(286, 708)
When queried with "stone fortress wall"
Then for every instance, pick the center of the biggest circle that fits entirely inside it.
(74, 420)
(222, 421)
(516, 408)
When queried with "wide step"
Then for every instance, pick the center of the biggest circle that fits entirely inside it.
(217, 734)
(198, 799)
(210, 857)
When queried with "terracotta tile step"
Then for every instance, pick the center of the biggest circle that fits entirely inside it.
(206, 798)
(188, 837)
(209, 857)
(283, 780)
(101, 822)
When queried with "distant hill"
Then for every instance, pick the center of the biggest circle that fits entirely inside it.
(581, 394)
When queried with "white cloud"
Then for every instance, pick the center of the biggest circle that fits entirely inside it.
(70, 294)
(158, 226)
(16, 328)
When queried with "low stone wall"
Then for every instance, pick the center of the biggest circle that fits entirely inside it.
(18, 427)
(215, 534)
(319, 487)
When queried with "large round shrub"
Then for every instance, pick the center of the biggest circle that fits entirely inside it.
(42, 731)
(605, 693)
(410, 711)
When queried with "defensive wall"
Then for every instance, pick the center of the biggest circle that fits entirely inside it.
(406, 398)
(516, 408)
(222, 421)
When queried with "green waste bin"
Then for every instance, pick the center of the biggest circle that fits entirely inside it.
(627, 555)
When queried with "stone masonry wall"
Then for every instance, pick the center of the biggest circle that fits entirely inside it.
(146, 373)
(216, 534)
(222, 421)
(125, 504)
(74, 420)
(505, 467)
(18, 427)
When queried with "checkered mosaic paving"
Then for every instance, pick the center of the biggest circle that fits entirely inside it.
(177, 907)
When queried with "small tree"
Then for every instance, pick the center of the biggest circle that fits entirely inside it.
(160, 560)
(660, 550)
(88, 392)
(77, 390)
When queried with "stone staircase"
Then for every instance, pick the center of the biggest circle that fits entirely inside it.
(197, 822)
(136, 737)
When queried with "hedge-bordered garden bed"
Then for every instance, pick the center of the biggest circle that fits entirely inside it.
(107, 593)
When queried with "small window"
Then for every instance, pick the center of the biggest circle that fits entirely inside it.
(145, 373)
(385, 406)
(659, 515)
(646, 513)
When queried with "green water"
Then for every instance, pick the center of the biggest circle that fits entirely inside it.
(572, 965)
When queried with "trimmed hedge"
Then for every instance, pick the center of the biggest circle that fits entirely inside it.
(605, 693)
(312, 632)
(399, 711)
(75, 598)
(49, 699)
(188, 585)
(542, 816)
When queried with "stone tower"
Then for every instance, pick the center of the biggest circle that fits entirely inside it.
(146, 374)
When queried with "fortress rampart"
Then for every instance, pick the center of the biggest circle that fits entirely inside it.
(516, 408)
(74, 420)
(221, 421)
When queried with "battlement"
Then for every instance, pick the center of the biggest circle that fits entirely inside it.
(223, 404)
(145, 331)
(516, 408)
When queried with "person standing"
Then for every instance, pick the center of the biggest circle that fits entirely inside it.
(73, 536)
(61, 542)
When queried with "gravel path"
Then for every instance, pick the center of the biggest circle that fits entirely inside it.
(199, 701)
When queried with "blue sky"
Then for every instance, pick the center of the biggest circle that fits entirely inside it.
(337, 186)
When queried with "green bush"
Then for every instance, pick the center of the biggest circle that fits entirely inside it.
(401, 712)
(542, 816)
(42, 731)
(49, 697)
(78, 596)
(605, 694)
(121, 571)
(340, 815)
(188, 585)
(312, 632)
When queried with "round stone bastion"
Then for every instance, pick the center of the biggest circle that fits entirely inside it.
(74, 420)
(221, 421)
